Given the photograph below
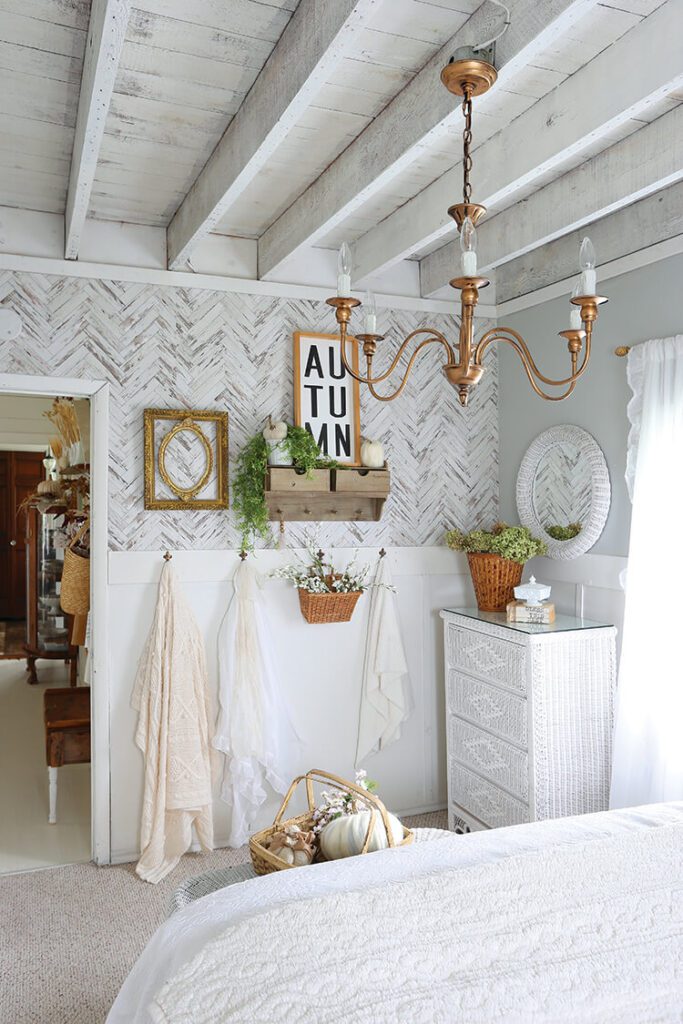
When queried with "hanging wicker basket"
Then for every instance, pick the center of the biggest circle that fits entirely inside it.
(494, 580)
(266, 862)
(74, 596)
(332, 607)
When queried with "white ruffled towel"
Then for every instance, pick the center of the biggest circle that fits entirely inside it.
(171, 697)
(385, 696)
(254, 730)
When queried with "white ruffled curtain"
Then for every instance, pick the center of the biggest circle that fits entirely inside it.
(648, 739)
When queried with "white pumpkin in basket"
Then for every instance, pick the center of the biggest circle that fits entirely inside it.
(345, 836)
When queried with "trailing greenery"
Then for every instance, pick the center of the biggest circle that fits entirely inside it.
(515, 543)
(564, 532)
(248, 497)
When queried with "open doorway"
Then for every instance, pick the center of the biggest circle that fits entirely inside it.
(45, 629)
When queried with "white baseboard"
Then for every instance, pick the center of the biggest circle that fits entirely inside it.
(222, 842)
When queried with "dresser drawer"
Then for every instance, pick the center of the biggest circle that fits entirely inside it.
(484, 800)
(497, 760)
(487, 705)
(487, 656)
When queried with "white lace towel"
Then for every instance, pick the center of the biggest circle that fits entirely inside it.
(254, 730)
(385, 700)
(171, 697)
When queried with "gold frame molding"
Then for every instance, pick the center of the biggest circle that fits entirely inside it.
(353, 344)
(216, 456)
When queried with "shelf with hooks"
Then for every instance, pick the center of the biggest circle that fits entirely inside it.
(352, 494)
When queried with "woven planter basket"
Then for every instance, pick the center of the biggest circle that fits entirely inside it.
(328, 607)
(494, 580)
(74, 596)
(266, 862)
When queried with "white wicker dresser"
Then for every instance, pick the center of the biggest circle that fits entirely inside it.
(529, 713)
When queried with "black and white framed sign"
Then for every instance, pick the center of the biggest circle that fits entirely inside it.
(326, 397)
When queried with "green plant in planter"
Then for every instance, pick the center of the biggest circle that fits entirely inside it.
(248, 498)
(564, 532)
(516, 543)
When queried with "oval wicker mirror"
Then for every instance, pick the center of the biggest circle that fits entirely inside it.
(563, 490)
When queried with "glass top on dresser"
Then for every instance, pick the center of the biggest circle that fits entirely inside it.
(562, 623)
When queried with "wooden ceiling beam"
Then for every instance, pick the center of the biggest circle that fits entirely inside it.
(106, 33)
(632, 74)
(649, 222)
(645, 162)
(395, 138)
(317, 37)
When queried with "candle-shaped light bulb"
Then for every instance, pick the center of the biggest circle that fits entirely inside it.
(575, 314)
(587, 264)
(468, 248)
(344, 271)
(370, 313)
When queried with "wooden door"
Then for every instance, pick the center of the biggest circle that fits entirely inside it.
(20, 472)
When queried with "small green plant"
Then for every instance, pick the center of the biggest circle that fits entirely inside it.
(248, 497)
(564, 532)
(515, 543)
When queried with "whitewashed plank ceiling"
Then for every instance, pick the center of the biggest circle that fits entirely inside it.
(190, 73)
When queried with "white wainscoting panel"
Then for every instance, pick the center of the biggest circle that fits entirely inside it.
(589, 586)
(321, 671)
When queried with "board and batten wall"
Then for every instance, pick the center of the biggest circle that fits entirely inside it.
(643, 304)
(184, 348)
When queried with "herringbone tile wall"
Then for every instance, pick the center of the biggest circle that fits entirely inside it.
(176, 347)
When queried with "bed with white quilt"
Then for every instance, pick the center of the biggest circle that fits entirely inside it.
(577, 919)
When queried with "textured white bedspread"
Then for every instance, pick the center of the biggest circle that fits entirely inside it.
(574, 920)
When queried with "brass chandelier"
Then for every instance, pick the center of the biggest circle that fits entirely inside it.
(468, 76)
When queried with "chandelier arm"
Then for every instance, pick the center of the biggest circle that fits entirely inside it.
(518, 343)
(434, 336)
(399, 390)
(522, 352)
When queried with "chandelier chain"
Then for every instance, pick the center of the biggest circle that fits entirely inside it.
(466, 143)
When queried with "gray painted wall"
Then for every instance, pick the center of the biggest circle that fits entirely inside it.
(644, 304)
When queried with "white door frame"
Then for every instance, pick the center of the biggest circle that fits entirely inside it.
(98, 393)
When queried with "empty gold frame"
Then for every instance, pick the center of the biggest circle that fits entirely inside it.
(211, 429)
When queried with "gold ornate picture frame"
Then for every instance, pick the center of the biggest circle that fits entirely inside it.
(175, 440)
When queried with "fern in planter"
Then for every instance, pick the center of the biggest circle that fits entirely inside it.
(248, 497)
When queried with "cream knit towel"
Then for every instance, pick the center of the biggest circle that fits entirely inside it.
(171, 696)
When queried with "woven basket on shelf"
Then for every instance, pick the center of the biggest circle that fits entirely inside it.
(266, 862)
(331, 607)
(494, 580)
(74, 595)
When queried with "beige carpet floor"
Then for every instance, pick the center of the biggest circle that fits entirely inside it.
(69, 935)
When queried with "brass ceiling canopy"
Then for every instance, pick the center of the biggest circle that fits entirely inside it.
(470, 73)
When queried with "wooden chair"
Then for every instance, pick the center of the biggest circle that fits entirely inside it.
(67, 733)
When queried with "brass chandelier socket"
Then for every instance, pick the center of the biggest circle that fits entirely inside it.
(369, 342)
(475, 211)
(343, 304)
(469, 76)
(589, 305)
(574, 339)
(466, 284)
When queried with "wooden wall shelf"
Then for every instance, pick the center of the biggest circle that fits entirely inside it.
(352, 494)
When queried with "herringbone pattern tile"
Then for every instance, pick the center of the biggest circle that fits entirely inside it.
(185, 348)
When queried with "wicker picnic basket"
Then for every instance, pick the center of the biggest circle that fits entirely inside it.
(494, 579)
(266, 862)
(74, 595)
(332, 607)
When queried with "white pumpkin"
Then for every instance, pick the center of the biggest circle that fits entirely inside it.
(372, 454)
(344, 837)
(275, 430)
